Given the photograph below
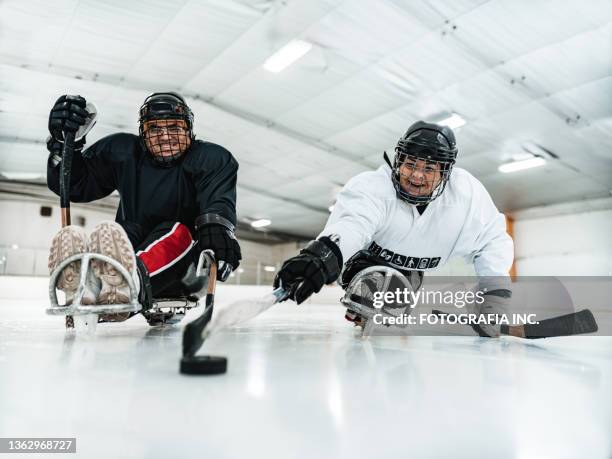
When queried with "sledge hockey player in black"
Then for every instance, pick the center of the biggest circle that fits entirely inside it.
(177, 198)
(411, 215)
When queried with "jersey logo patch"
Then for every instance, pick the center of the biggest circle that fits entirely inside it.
(404, 261)
(387, 255)
(375, 248)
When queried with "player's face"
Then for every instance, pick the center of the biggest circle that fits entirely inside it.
(419, 177)
(167, 137)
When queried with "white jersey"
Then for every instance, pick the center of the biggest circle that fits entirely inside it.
(463, 221)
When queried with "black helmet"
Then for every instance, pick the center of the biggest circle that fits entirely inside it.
(165, 106)
(429, 142)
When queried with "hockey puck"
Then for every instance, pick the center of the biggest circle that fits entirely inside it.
(203, 365)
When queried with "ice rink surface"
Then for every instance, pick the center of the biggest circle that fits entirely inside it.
(301, 383)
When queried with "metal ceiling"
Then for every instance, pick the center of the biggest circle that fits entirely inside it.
(518, 71)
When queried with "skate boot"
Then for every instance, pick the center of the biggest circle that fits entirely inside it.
(110, 239)
(72, 240)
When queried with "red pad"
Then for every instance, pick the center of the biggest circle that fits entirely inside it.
(167, 250)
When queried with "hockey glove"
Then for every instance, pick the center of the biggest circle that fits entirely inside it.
(495, 302)
(67, 115)
(56, 147)
(217, 234)
(319, 263)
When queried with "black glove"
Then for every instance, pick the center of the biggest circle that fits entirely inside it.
(67, 115)
(217, 234)
(319, 263)
(56, 149)
(495, 302)
(358, 262)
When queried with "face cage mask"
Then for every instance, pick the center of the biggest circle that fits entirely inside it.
(445, 168)
(166, 131)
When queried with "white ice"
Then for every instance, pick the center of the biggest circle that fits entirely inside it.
(301, 383)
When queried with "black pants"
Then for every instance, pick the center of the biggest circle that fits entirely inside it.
(170, 255)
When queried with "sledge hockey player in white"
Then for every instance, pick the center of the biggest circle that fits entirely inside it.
(413, 214)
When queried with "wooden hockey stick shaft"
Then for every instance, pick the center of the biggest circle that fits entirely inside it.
(212, 280)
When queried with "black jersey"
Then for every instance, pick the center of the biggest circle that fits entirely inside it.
(204, 181)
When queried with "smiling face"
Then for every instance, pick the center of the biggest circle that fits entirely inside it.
(418, 177)
(167, 138)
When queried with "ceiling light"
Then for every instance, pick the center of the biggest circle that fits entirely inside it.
(331, 208)
(521, 165)
(270, 269)
(14, 246)
(287, 55)
(261, 223)
(522, 156)
(454, 121)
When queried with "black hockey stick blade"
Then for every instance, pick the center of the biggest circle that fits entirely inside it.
(193, 331)
(576, 323)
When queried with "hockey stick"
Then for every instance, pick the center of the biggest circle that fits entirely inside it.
(199, 330)
(234, 314)
(192, 334)
(67, 153)
(575, 323)
(65, 170)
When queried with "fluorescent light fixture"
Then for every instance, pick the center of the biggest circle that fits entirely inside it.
(261, 223)
(514, 166)
(454, 121)
(270, 269)
(287, 55)
(522, 156)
